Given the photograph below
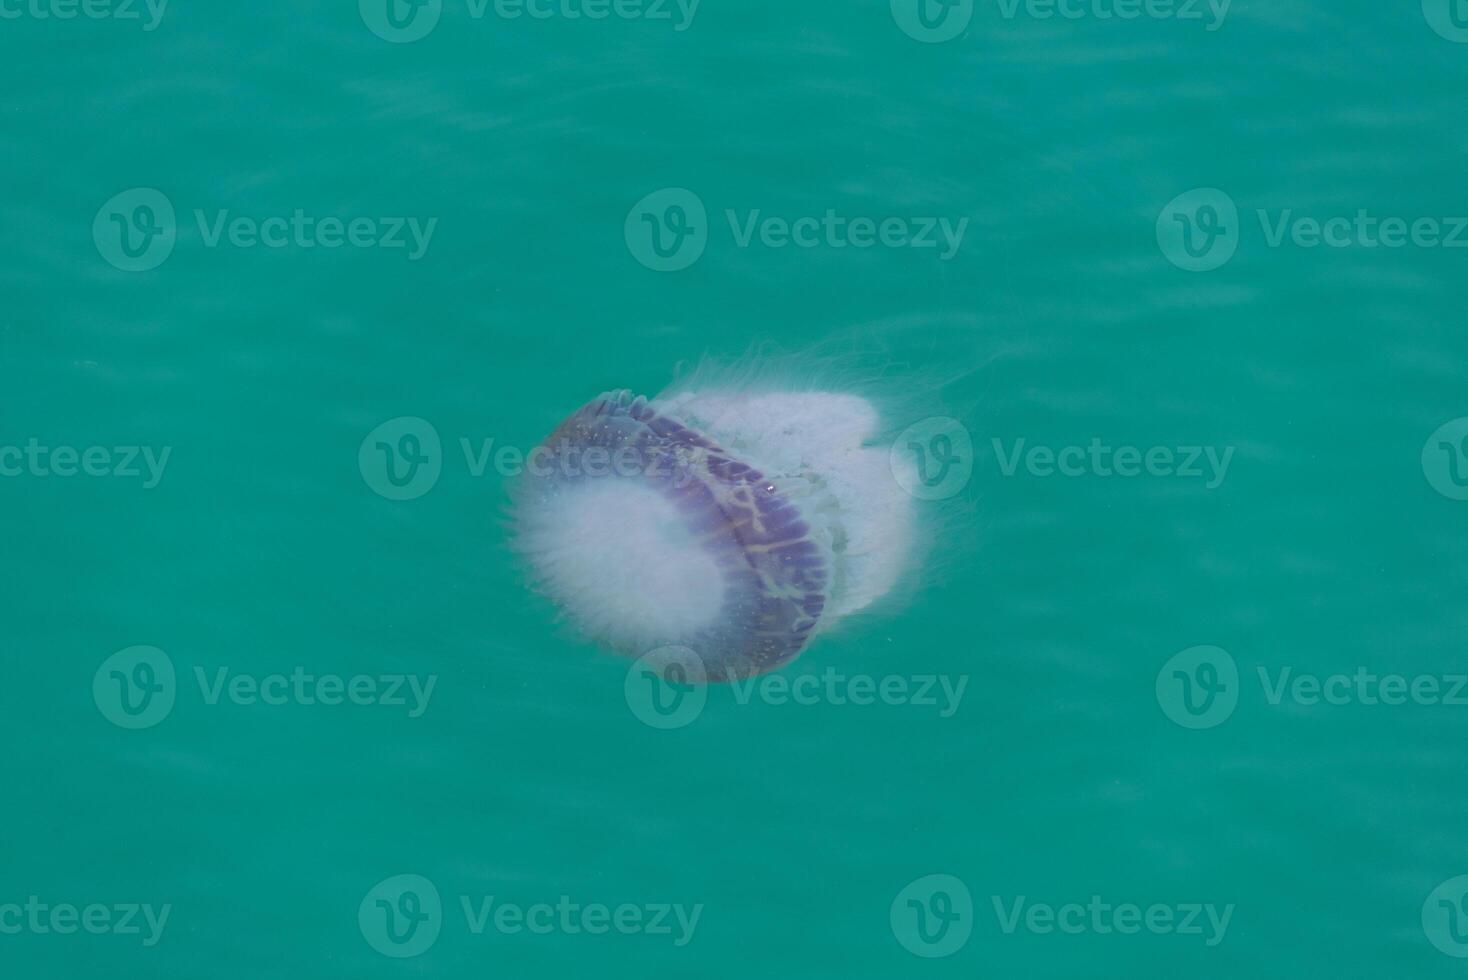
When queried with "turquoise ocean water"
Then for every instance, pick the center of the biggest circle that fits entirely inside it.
(1208, 725)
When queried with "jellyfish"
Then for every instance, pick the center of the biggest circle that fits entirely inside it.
(737, 515)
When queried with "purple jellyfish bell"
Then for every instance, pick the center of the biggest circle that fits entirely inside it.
(735, 525)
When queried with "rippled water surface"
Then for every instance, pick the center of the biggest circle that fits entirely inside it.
(448, 217)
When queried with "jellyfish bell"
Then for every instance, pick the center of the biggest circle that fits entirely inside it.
(737, 517)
